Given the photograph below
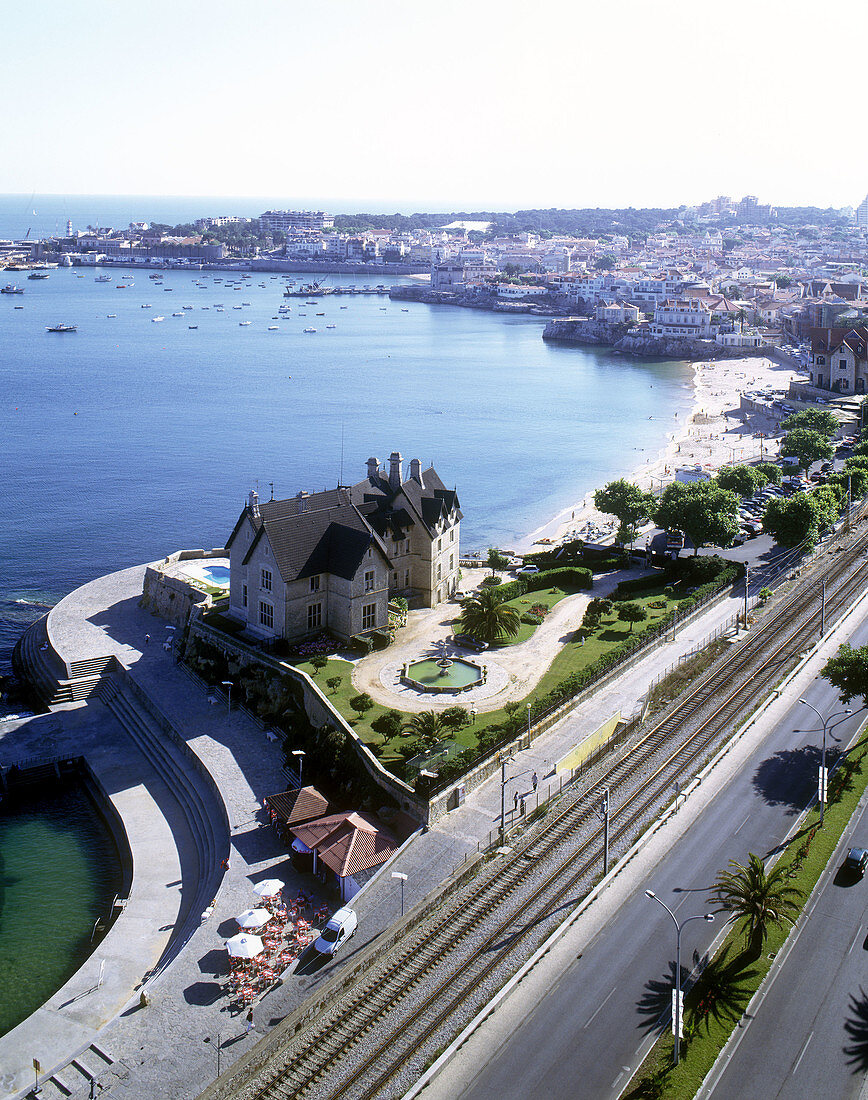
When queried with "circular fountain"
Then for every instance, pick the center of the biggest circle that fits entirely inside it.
(443, 673)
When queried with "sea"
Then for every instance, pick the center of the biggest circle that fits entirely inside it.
(137, 436)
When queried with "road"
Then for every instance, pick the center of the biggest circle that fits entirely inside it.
(809, 1034)
(595, 1022)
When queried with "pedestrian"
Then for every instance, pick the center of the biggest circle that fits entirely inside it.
(249, 1019)
(535, 781)
(515, 801)
(147, 639)
(522, 806)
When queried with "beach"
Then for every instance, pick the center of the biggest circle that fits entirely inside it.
(711, 435)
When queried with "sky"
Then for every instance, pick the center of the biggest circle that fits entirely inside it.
(412, 105)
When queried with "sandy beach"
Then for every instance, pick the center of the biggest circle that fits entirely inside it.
(711, 435)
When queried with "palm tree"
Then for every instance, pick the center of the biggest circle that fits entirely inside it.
(741, 317)
(428, 726)
(759, 899)
(488, 617)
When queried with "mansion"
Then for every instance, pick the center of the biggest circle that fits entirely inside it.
(331, 561)
(839, 361)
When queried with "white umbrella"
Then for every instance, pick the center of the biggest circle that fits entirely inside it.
(268, 888)
(253, 918)
(244, 946)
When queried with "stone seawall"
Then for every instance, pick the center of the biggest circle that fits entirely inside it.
(586, 331)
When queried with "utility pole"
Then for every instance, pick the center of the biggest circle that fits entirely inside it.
(823, 611)
(604, 813)
(746, 591)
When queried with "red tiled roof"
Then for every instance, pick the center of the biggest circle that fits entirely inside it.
(296, 806)
(348, 842)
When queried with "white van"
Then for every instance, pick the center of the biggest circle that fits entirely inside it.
(340, 928)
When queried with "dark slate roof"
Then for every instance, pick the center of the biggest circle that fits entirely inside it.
(398, 510)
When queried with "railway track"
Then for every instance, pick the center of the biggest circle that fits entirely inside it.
(423, 993)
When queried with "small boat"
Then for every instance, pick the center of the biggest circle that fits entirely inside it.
(272, 328)
(168, 289)
(220, 309)
(310, 330)
(147, 305)
(331, 326)
(122, 286)
(345, 307)
(245, 303)
(103, 279)
(10, 288)
(153, 319)
(236, 307)
(186, 307)
(192, 326)
(177, 314)
(405, 311)
(320, 315)
(110, 315)
(242, 323)
(60, 327)
(18, 307)
(128, 276)
(38, 275)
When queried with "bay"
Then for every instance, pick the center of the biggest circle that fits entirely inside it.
(132, 438)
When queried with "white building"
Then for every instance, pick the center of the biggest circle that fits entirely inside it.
(682, 318)
(288, 221)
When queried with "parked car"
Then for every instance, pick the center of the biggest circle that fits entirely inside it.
(528, 570)
(857, 860)
(469, 642)
(340, 928)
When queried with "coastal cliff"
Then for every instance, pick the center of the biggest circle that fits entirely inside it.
(586, 331)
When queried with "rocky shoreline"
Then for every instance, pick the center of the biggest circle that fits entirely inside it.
(586, 331)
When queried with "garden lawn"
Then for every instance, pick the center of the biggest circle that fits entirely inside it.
(807, 854)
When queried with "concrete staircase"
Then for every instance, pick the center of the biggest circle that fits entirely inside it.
(35, 661)
(74, 1079)
(203, 812)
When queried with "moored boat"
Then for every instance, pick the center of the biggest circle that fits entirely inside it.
(61, 327)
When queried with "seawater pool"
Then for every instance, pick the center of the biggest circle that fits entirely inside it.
(59, 872)
(216, 574)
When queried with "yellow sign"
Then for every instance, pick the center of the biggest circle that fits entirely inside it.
(37, 1066)
(585, 747)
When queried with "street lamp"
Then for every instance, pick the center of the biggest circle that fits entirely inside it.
(528, 724)
(503, 782)
(299, 754)
(403, 878)
(821, 788)
(473, 712)
(676, 1008)
(228, 685)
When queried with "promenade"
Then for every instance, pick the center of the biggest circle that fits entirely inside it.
(169, 1048)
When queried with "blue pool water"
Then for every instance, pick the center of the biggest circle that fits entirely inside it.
(216, 574)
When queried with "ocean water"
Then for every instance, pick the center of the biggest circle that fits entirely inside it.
(59, 872)
(132, 438)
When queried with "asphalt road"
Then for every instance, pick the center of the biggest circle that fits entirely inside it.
(809, 1034)
(592, 1029)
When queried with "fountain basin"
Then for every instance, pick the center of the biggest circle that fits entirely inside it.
(429, 675)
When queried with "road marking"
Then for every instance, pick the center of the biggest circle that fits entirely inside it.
(599, 1009)
(739, 829)
(856, 940)
(804, 1048)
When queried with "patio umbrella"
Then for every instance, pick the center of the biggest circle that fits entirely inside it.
(244, 946)
(268, 888)
(253, 918)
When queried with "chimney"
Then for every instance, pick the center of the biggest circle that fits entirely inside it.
(395, 470)
(299, 501)
(373, 468)
(253, 503)
(416, 471)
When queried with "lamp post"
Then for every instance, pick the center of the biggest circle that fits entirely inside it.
(299, 754)
(473, 713)
(403, 878)
(503, 781)
(821, 787)
(676, 1008)
(528, 724)
(228, 685)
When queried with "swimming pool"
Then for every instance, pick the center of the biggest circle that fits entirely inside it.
(216, 574)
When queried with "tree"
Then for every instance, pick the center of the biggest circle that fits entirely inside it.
(783, 281)
(741, 317)
(427, 725)
(704, 511)
(456, 718)
(605, 262)
(806, 445)
(389, 724)
(496, 560)
(628, 504)
(488, 617)
(854, 478)
(632, 613)
(796, 519)
(361, 703)
(815, 420)
(334, 682)
(770, 471)
(848, 672)
(744, 480)
(318, 662)
(760, 900)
